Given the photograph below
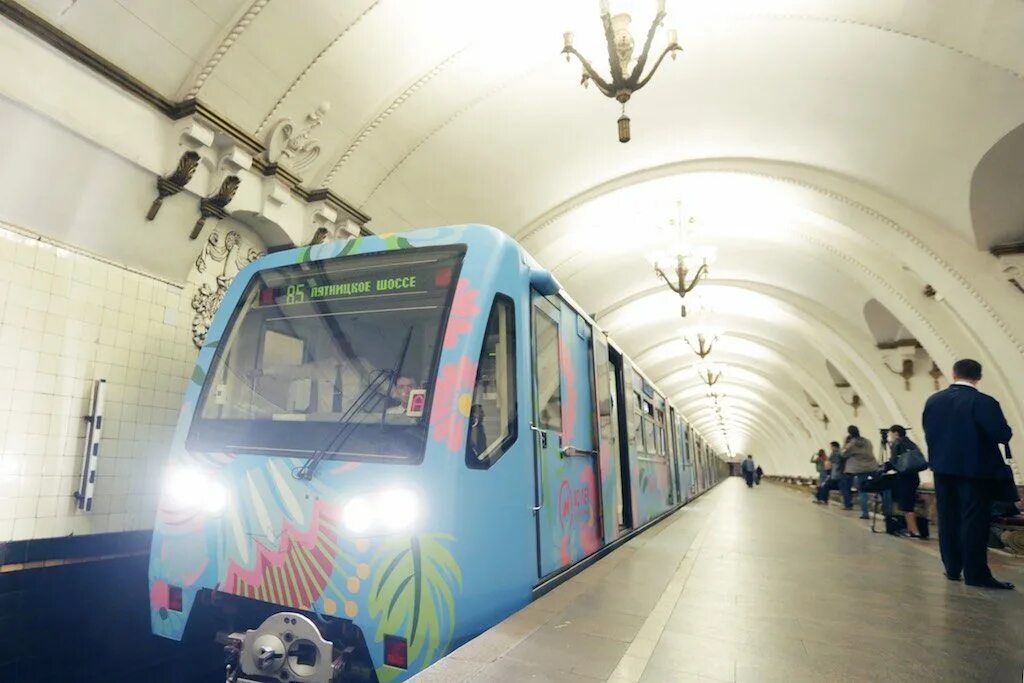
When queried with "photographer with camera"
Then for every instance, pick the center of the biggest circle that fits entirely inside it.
(907, 460)
(858, 464)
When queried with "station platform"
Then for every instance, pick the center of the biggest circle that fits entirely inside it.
(757, 585)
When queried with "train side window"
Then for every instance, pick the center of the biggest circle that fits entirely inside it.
(548, 372)
(493, 417)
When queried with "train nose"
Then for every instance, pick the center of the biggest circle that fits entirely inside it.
(290, 647)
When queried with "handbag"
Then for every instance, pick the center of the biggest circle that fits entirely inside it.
(911, 460)
(877, 482)
(1005, 487)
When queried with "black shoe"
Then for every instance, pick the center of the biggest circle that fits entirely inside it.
(847, 508)
(865, 516)
(952, 577)
(992, 583)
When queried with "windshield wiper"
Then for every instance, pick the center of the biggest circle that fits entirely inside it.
(363, 402)
(395, 374)
(370, 393)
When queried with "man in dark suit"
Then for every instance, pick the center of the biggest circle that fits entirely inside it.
(963, 428)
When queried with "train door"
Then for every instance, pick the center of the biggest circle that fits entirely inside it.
(608, 435)
(684, 458)
(567, 507)
(675, 454)
(624, 505)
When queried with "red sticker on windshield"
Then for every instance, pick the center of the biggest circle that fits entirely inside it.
(417, 403)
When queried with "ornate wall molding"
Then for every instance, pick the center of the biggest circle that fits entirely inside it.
(309, 67)
(190, 108)
(387, 112)
(225, 44)
(289, 144)
(174, 182)
(224, 254)
(214, 205)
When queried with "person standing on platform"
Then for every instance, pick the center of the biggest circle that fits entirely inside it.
(748, 467)
(858, 462)
(905, 486)
(963, 429)
(821, 464)
(758, 473)
(835, 472)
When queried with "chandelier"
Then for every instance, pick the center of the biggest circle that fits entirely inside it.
(680, 286)
(703, 347)
(678, 237)
(709, 374)
(624, 80)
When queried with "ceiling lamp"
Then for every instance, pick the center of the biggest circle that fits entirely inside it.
(680, 286)
(709, 374)
(678, 237)
(626, 74)
(704, 344)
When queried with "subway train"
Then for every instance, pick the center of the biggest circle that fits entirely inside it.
(390, 444)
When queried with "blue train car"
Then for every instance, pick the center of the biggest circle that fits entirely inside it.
(389, 444)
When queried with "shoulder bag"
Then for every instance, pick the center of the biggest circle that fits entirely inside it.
(1006, 488)
(911, 460)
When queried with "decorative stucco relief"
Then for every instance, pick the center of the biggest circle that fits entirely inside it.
(225, 253)
(294, 146)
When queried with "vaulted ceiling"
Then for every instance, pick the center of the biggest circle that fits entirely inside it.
(824, 152)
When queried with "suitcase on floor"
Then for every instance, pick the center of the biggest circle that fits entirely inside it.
(895, 524)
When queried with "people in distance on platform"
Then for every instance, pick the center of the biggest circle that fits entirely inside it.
(963, 429)
(858, 462)
(905, 487)
(758, 473)
(833, 472)
(749, 468)
(821, 465)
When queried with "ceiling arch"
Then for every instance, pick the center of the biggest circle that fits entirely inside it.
(847, 353)
(778, 368)
(741, 383)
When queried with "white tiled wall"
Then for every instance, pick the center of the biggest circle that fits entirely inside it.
(67, 319)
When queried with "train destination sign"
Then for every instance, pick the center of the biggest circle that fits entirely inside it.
(321, 289)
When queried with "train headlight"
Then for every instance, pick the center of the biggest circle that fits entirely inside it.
(398, 509)
(187, 487)
(391, 510)
(358, 515)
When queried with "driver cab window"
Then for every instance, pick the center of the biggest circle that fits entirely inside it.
(492, 417)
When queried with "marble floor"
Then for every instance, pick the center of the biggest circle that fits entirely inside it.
(758, 585)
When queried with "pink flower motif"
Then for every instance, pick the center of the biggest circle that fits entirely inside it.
(465, 309)
(453, 398)
(590, 536)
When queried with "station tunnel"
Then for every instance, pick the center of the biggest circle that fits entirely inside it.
(643, 240)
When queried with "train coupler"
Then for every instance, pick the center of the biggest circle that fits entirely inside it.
(285, 648)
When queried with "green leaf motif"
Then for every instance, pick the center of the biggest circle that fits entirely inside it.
(350, 246)
(413, 594)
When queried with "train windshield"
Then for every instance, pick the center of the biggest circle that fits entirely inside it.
(331, 357)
